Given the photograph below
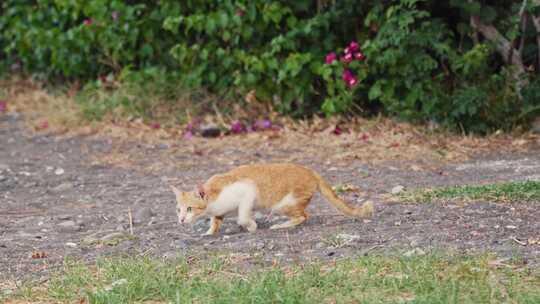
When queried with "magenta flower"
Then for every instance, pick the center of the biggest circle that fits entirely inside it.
(238, 127)
(188, 135)
(352, 82)
(347, 58)
(349, 78)
(337, 130)
(359, 56)
(347, 75)
(353, 46)
(347, 50)
(88, 22)
(331, 57)
(155, 125)
(262, 124)
(3, 106)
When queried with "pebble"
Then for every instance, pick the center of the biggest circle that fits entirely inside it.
(348, 237)
(320, 245)
(59, 171)
(397, 189)
(413, 252)
(512, 227)
(70, 244)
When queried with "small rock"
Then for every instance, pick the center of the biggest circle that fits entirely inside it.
(348, 237)
(413, 252)
(162, 146)
(59, 171)
(143, 215)
(511, 227)
(320, 245)
(331, 253)
(70, 244)
(259, 245)
(210, 130)
(397, 189)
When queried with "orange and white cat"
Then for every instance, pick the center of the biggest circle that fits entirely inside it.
(283, 188)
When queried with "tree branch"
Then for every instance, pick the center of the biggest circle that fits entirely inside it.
(505, 48)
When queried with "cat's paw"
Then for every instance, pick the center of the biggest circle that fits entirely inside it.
(209, 233)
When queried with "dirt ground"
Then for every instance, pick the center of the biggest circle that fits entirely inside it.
(62, 197)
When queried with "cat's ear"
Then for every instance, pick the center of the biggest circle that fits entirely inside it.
(176, 191)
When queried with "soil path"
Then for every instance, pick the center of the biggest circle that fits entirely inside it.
(55, 200)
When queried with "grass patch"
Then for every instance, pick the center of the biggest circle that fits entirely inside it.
(504, 192)
(374, 279)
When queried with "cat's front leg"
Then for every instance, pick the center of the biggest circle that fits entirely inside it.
(215, 224)
(245, 217)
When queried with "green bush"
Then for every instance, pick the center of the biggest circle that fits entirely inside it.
(416, 59)
(85, 38)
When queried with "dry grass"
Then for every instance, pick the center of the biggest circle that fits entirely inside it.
(366, 140)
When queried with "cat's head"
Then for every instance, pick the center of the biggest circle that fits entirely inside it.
(189, 205)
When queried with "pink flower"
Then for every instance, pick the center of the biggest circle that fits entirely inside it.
(238, 127)
(347, 75)
(262, 124)
(347, 58)
(349, 78)
(347, 50)
(3, 106)
(359, 56)
(114, 15)
(188, 135)
(155, 125)
(331, 57)
(352, 82)
(353, 46)
(88, 22)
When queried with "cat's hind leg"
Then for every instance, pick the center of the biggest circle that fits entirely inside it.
(294, 209)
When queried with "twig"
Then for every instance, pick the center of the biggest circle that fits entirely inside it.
(519, 242)
(130, 221)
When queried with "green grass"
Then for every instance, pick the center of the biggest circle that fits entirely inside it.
(504, 192)
(374, 279)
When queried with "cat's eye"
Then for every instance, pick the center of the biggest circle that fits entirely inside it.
(188, 209)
